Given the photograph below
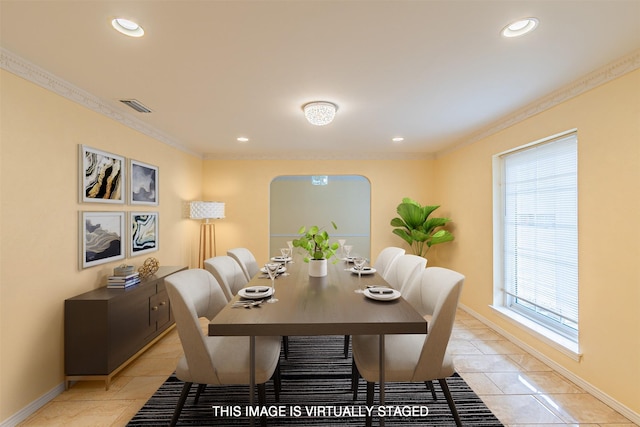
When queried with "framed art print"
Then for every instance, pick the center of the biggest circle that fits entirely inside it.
(144, 184)
(102, 176)
(103, 235)
(144, 233)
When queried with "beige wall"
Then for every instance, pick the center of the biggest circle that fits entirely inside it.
(40, 134)
(244, 186)
(608, 123)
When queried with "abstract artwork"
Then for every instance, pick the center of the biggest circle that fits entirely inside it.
(144, 184)
(102, 176)
(102, 237)
(144, 233)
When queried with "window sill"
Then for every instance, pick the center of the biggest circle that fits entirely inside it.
(557, 341)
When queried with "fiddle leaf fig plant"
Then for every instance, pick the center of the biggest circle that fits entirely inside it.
(416, 228)
(316, 242)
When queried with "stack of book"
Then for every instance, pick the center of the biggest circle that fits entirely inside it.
(121, 282)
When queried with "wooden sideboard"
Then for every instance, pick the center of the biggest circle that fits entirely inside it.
(106, 329)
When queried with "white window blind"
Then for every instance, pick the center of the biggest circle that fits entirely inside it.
(540, 259)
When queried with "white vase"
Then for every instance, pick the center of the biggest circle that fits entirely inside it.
(317, 267)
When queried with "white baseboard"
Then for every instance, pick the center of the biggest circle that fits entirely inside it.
(589, 388)
(31, 408)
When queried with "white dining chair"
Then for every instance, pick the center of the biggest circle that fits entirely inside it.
(403, 269)
(216, 360)
(232, 278)
(228, 273)
(385, 265)
(247, 261)
(386, 258)
(415, 357)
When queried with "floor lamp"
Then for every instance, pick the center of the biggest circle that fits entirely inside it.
(207, 211)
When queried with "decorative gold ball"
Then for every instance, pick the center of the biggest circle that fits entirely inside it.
(149, 267)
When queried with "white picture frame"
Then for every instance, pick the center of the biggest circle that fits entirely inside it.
(102, 236)
(102, 176)
(143, 183)
(143, 233)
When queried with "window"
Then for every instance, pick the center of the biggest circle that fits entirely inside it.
(536, 245)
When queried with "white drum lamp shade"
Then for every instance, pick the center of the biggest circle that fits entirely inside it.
(206, 211)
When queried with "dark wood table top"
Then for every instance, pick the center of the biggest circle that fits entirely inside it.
(319, 306)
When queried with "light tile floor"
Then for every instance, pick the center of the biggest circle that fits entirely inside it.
(519, 389)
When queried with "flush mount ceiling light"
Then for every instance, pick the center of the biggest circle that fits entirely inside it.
(127, 27)
(397, 139)
(320, 113)
(242, 139)
(520, 27)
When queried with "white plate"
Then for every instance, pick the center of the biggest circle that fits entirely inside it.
(281, 259)
(382, 294)
(281, 270)
(366, 270)
(255, 292)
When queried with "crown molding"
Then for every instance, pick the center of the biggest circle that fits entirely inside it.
(31, 72)
(609, 72)
(319, 155)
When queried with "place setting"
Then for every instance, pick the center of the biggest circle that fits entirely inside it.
(283, 259)
(253, 296)
(360, 267)
(379, 293)
(281, 270)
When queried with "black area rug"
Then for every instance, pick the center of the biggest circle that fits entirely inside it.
(317, 378)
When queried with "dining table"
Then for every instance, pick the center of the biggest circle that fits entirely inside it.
(335, 304)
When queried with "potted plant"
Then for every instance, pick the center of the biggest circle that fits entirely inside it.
(417, 229)
(316, 242)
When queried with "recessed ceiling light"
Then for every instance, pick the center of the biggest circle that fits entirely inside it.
(242, 139)
(397, 139)
(127, 27)
(520, 27)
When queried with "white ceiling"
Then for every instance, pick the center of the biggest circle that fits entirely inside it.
(435, 72)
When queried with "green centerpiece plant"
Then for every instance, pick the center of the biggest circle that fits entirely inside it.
(315, 242)
(416, 228)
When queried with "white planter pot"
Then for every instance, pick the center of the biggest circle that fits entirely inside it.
(317, 267)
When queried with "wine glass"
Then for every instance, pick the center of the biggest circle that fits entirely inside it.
(341, 242)
(290, 245)
(359, 262)
(285, 256)
(272, 271)
(347, 251)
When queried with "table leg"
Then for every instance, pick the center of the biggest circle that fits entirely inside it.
(381, 358)
(252, 373)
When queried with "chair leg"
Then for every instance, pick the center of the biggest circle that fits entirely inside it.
(432, 389)
(346, 345)
(452, 405)
(180, 404)
(370, 392)
(355, 378)
(285, 344)
(201, 388)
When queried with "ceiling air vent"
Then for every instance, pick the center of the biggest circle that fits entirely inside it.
(136, 105)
